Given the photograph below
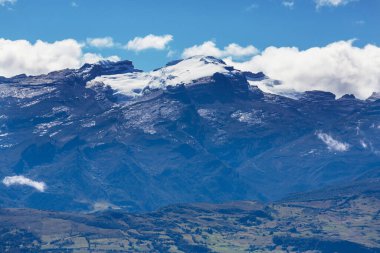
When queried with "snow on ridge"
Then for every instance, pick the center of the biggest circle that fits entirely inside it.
(14, 91)
(183, 72)
(21, 180)
(253, 117)
(272, 86)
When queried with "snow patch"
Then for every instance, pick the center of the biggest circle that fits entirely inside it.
(363, 143)
(23, 92)
(43, 128)
(254, 117)
(4, 146)
(58, 109)
(207, 114)
(271, 86)
(30, 103)
(89, 124)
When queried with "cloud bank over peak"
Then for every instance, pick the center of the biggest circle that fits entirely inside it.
(21, 180)
(94, 58)
(233, 50)
(339, 67)
(22, 56)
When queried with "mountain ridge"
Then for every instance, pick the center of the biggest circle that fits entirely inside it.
(109, 68)
(216, 140)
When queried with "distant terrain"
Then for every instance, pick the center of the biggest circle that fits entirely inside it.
(342, 220)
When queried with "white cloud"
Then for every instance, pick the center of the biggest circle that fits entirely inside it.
(4, 2)
(209, 48)
(339, 67)
(21, 180)
(332, 3)
(101, 42)
(331, 143)
(288, 3)
(149, 42)
(22, 56)
(93, 58)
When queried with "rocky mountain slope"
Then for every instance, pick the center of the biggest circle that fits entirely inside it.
(110, 136)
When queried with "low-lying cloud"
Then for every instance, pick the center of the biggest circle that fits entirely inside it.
(209, 48)
(24, 57)
(332, 144)
(339, 67)
(21, 180)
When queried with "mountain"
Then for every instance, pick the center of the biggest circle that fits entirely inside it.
(340, 220)
(196, 130)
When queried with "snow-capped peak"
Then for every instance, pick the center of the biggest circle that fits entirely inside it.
(187, 71)
(106, 67)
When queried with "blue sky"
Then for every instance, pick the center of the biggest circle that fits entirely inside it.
(260, 23)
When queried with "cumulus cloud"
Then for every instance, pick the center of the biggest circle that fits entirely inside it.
(21, 180)
(209, 48)
(93, 58)
(339, 67)
(22, 56)
(149, 42)
(4, 2)
(288, 3)
(332, 3)
(100, 42)
(331, 143)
